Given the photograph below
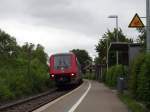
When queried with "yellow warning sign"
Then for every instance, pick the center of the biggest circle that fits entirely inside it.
(136, 22)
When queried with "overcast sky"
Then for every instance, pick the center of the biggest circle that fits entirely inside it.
(62, 25)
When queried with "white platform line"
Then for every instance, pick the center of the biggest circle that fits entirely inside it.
(58, 99)
(80, 100)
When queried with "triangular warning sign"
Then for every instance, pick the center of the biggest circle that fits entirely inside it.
(136, 22)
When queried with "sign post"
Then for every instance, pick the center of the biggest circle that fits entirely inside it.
(147, 25)
(137, 23)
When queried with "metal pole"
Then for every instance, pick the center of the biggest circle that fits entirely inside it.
(101, 74)
(117, 28)
(107, 55)
(117, 39)
(147, 26)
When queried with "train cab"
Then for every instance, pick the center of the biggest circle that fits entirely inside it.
(65, 69)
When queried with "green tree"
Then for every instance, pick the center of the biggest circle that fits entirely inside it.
(8, 46)
(82, 56)
(23, 70)
(101, 47)
(142, 37)
(40, 54)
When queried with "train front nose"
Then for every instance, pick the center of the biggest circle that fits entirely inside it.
(65, 78)
(62, 79)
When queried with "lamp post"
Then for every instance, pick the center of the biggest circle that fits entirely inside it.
(116, 17)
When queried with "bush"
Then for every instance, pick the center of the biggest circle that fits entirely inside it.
(132, 104)
(38, 76)
(23, 69)
(140, 79)
(15, 82)
(134, 74)
(143, 88)
(113, 73)
(5, 92)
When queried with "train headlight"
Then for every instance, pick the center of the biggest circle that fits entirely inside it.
(72, 74)
(52, 76)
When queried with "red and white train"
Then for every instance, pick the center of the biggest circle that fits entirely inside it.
(65, 69)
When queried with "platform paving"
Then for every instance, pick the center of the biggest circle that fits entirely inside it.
(91, 96)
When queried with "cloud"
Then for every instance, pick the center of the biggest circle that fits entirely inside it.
(54, 40)
(85, 16)
(77, 23)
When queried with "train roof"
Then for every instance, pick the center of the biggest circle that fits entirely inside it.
(70, 53)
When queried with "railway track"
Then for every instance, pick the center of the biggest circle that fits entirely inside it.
(32, 103)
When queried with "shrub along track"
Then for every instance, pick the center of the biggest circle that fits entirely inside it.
(32, 103)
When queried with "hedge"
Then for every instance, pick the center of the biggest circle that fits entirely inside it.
(139, 82)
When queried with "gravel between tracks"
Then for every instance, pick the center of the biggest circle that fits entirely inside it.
(30, 104)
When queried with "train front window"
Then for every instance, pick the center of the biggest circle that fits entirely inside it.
(62, 61)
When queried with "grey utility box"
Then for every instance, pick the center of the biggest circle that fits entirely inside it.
(120, 84)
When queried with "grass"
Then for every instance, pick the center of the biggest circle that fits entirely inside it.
(133, 105)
